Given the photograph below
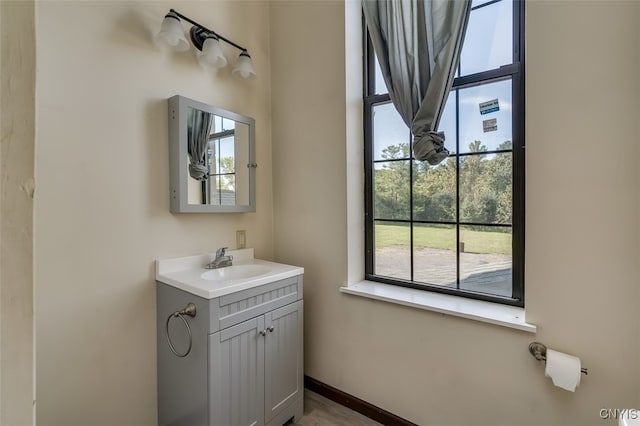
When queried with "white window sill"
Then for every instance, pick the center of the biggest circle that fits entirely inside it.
(492, 313)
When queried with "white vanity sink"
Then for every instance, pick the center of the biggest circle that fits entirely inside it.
(189, 273)
(235, 272)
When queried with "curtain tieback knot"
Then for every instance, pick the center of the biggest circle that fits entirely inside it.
(429, 147)
(199, 171)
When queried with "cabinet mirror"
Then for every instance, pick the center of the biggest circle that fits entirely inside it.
(212, 158)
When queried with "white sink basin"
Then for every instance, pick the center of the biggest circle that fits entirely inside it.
(189, 274)
(235, 272)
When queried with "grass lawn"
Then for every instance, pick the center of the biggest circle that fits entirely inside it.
(425, 236)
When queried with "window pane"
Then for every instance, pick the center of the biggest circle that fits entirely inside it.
(434, 191)
(448, 123)
(479, 132)
(488, 43)
(381, 87)
(217, 124)
(393, 250)
(391, 136)
(212, 156)
(214, 191)
(228, 124)
(485, 188)
(227, 190)
(485, 260)
(227, 160)
(391, 188)
(434, 254)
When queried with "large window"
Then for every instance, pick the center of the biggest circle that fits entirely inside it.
(457, 227)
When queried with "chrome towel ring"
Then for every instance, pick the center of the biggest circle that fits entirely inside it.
(189, 310)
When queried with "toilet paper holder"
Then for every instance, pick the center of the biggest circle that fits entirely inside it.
(539, 352)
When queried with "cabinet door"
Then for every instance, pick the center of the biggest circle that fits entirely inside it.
(283, 358)
(236, 375)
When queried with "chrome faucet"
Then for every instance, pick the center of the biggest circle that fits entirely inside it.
(221, 260)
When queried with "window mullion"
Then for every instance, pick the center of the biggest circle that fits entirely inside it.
(503, 73)
(411, 209)
(457, 189)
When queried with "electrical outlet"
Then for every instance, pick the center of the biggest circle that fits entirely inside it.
(241, 239)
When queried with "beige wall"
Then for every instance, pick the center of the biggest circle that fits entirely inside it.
(102, 206)
(583, 227)
(17, 124)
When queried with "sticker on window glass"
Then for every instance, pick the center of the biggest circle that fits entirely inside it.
(489, 106)
(490, 125)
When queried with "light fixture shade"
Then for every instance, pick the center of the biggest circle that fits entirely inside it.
(211, 55)
(244, 66)
(171, 35)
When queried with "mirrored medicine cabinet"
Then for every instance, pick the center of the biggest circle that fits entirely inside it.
(211, 158)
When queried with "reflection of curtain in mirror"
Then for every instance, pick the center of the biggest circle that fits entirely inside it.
(198, 130)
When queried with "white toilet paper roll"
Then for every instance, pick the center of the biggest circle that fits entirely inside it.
(563, 369)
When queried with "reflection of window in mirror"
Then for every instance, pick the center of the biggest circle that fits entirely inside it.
(228, 182)
(220, 189)
(241, 150)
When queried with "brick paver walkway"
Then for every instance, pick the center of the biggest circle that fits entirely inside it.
(486, 273)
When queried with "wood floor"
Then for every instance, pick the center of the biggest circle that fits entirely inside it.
(320, 411)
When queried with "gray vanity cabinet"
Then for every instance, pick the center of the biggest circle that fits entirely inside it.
(252, 369)
(282, 378)
(236, 374)
(255, 368)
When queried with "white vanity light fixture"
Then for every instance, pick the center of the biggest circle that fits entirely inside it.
(211, 55)
(171, 36)
(244, 67)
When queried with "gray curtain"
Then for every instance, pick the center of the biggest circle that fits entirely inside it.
(418, 45)
(198, 131)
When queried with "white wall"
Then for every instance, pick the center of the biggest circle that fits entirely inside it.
(17, 124)
(102, 205)
(583, 227)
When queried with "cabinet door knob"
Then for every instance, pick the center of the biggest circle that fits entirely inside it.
(263, 332)
(270, 328)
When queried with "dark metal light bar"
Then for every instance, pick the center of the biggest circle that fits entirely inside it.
(191, 21)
